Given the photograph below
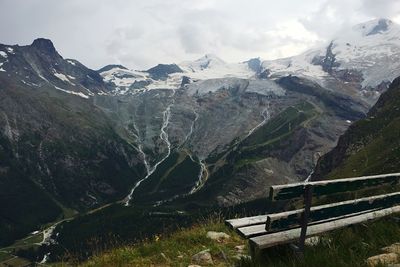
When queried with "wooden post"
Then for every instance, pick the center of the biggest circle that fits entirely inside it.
(307, 206)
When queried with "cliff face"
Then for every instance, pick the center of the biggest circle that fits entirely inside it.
(369, 146)
(57, 152)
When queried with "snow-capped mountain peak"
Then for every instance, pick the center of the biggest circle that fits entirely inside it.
(366, 56)
(205, 62)
(373, 32)
(368, 53)
(375, 26)
(171, 76)
(211, 67)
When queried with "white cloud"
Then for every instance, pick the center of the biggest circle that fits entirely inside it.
(381, 8)
(140, 34)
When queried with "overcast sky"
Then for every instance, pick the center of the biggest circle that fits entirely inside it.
(140, 34)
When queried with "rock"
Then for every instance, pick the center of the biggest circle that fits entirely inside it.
(165, 257)
(218, 236)
(194, 265)
(240, 249)
(312, 241)
(241, 256)
(394, 248)
(388, 258)
(203, 257)
(222, 255)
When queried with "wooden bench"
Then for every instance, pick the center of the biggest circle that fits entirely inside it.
(292, 225)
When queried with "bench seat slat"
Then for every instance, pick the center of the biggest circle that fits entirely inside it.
(260, 229)
(246, 221)
(269, 240)
(253, 230)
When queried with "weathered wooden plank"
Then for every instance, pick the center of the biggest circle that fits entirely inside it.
(322, 188)
(260, 229)
(278, 238)
(256, 225)
(305, 217)
(246, 221)
(291, 219)
(252, 230)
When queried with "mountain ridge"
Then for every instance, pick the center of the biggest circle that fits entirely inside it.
(370, 146)
(222, 137)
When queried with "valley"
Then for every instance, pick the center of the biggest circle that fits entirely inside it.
(121, 155)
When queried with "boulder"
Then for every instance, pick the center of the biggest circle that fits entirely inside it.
(240, 249)
(382, 259)
(394, 248)
(218, 236)
(203, 257)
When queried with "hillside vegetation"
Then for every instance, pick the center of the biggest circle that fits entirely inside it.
(370, 146)
(349, 247)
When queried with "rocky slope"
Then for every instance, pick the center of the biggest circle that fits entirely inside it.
(58, 153)
(213, 106)
(39, 64)
(201, 132)
(369, 146)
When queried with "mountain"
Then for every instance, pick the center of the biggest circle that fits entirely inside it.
(195, 134)
(39, 64)
(354, 62)
(161, 71)
(370, 146)
(362, 60)
(59, 154)
(170, 76)
(220, 105)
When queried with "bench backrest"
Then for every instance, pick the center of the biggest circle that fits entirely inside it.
(333, 211)
(292, 219)
(278, 228)
(323, 188)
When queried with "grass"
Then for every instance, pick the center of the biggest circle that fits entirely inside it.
(8, 255)
(175, 176)
(347, 247)
(379, 155)
(275, 132)
(176, 249)
(5, 256)
(15, 261)
(281, 125)
(369, 146)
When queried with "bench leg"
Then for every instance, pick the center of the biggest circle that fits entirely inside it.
(254, 250)
(256, 254)
(297, 251)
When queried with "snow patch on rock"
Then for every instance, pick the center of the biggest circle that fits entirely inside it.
(71, 62)
(3, 54)
(63, 77)
(72, 92)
